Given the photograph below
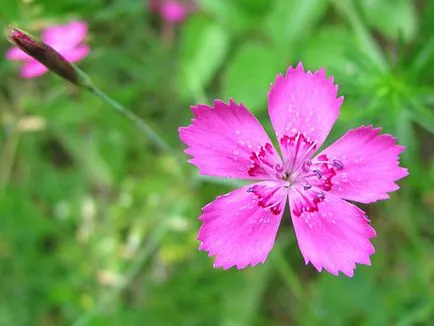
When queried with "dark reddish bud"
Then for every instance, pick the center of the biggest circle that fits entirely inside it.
(43, 53)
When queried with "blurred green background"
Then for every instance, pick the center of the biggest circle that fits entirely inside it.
(98, 227)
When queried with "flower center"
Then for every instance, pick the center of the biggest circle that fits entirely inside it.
(299, 176)
(299, 168)
(307, 178)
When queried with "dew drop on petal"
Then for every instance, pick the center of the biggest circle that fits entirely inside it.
(344, 177)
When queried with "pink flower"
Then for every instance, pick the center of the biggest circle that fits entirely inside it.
(240, 227)
(172, 11)
(64, 39)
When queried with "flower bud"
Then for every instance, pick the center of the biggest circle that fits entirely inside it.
(44, 54)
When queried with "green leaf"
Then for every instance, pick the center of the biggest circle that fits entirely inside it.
(391, 17)
(423, 59)
(363, 38)
(204, 48)
(249, 74)
(426, 21)
(331, 48)
(421, 114)
(236, 16)
(291, 20)
(407, 137)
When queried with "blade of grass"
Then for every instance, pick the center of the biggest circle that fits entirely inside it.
(363, 37)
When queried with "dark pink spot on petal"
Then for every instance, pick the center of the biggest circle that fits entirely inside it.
(305, 200)
(269, 195)
(264, 162)
(322, 172)
(236, 230)
(366, 165)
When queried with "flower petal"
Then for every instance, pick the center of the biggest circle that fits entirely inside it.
(32, 69)
(303, 102)
(239, 228)
(335, 237)
(174, 11)
(370, 165)
(17, 54)
(228, 141)
(65, 37)
(77, 54)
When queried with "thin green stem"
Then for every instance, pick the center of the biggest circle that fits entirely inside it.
(288, 275)
(86, 82)
(140, 123)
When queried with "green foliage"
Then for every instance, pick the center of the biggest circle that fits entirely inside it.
(248, 75)
(204, 48)
(391, 18)
(98, 226)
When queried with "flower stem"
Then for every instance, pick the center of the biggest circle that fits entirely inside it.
(144, 127)
(288, 275)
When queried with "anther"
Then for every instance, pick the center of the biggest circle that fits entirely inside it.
(250, 189)
(307, 186)
(318, 174)
(338, 164)
(320, 195)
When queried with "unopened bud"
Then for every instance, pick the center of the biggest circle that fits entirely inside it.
(44, 54)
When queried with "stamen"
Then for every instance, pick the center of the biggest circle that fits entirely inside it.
(308, 152)
(338, 164)
(320, 195)
(307, 186)
(297, 144)
(318, 173)
(299, 148)
(250, 189)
